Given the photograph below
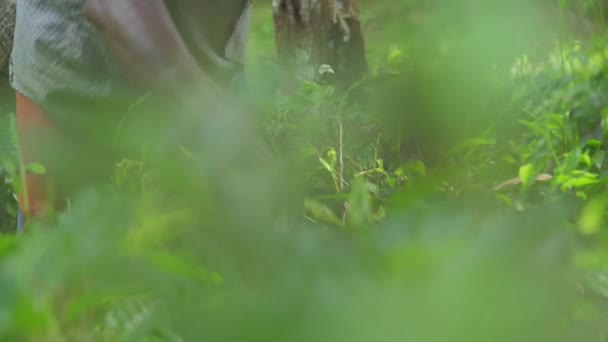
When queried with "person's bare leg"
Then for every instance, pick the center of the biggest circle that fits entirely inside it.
(36, 133)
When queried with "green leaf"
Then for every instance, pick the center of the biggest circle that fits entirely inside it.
(417, 167)
(571, 161)
(593, 143)
(326, 165)
(578, 179)
(321, 212)
(585, 160)
(506, 200)
(395, 57)
(598, 159)
(36, 168)
(592, 217)
(526, 174)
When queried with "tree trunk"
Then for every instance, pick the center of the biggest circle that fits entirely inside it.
(319, 40)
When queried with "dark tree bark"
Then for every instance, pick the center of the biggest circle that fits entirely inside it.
(319, 40)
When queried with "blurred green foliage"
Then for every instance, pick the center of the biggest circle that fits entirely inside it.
(458, 193)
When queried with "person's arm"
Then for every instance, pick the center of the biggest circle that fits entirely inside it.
(146, 43)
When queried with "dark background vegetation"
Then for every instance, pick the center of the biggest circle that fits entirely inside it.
(457, 193)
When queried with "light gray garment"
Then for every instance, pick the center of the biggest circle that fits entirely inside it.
(56, 51)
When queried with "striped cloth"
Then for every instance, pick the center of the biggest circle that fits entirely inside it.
(58, 54)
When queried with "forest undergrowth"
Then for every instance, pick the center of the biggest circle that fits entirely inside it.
(457, 192)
